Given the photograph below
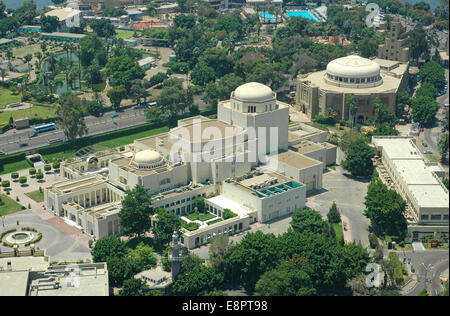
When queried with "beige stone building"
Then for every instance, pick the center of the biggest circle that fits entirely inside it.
(394, 47)
(325, 92)
(248, 160)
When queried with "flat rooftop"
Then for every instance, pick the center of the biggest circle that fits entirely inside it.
(415, 172)
(305, 147)
(24, 263)
(296, 160)
(225, 203)
(398, 147)
(13, 283)
(76, 184)
(201, 130)
(430, 196)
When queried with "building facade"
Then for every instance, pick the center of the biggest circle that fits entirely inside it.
(324, 92)
(222, 160)
(394, 44)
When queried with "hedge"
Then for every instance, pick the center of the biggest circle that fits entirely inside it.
(90, 140)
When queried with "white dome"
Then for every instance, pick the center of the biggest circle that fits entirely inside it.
(353, 66)
(147, 156)
(253, 92)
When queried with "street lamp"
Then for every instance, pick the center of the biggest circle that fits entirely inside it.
(426, 272)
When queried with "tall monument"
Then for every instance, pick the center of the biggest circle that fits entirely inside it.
(175, 258)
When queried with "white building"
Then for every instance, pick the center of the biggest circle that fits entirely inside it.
(418, 182)
(225, 160)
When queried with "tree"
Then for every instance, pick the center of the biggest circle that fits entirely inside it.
(103, 28)
(433, 73)
(384, 119)
(116, 95)
(165, 226)
(141, 258)
(385, 208)
(108, 247)
(39, 176)
(23, 180)
(196, 280)
(218, 246)
(202, 74)
(307, 220)
(348, 138)
(288, 279)
(443, 146)
(49, 24)
(418, 42)
(333, 214)
(424, 292)
(136, 211)
(71, 116)
(124, 70)
(245, 262)
(119, 269)
(424, 109)
(133, 287)
(32, 171)
(359, 158)
(92, 51)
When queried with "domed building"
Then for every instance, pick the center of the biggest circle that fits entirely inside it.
(325, 91)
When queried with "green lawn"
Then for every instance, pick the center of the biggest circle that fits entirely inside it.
(6, 97)
(201, 217)
(14, 166)
(338, 230)
(124, 34)
(215, 221)
(37, 111)
(36, 196)
(9, 206)
(20, 52)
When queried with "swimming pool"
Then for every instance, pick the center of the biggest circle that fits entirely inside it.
(266, 15)
(302, 14)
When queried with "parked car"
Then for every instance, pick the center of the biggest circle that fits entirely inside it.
(2, 153)
(23, 144)
(427, 151)
(114, 115)
(424, 144)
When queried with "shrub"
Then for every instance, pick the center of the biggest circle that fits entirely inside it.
(228, 214)
(47, 167)
(23, 180)
(14, 175)
(39, 175)
(32, 171)
(5, 184)
(373, 241)
(56, 165)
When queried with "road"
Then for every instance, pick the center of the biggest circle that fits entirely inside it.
(430, 135)
(439, 261)
(9, 142)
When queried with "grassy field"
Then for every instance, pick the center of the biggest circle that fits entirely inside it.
(124, 34)
(37, 111)
(14, 166)
(112, 143)
(9, 206)
(338, 230)
(6, 97)
(202, 217)
(20, 52)
(36, 196)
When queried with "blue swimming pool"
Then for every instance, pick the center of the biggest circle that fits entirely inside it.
(266, 15)
(302, 14)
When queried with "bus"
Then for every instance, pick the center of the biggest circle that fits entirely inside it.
(43, 128)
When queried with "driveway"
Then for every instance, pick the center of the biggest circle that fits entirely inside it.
(349, 195)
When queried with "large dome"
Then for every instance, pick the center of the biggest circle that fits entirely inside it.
(147, 157)
(253, 92)
(353, 66)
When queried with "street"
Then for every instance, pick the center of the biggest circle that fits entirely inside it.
(9, 142)
(430, 263)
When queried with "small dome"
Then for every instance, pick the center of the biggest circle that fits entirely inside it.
(147, 156)
(253, 92)
(353, 66)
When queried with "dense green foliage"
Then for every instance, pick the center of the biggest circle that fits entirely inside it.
(135, 213)
(358, 160)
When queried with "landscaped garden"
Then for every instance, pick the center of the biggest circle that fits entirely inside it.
(9, 206)
(199, 216)
(37, 196)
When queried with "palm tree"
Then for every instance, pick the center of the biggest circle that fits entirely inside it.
(352, 108)
(28, 58)
(3, 73)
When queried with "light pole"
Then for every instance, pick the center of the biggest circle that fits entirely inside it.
(426, 273)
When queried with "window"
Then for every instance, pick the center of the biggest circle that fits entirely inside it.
(424, 217)
(436, 217)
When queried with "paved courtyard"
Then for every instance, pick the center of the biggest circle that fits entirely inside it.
(348, 194)
(60, 240)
